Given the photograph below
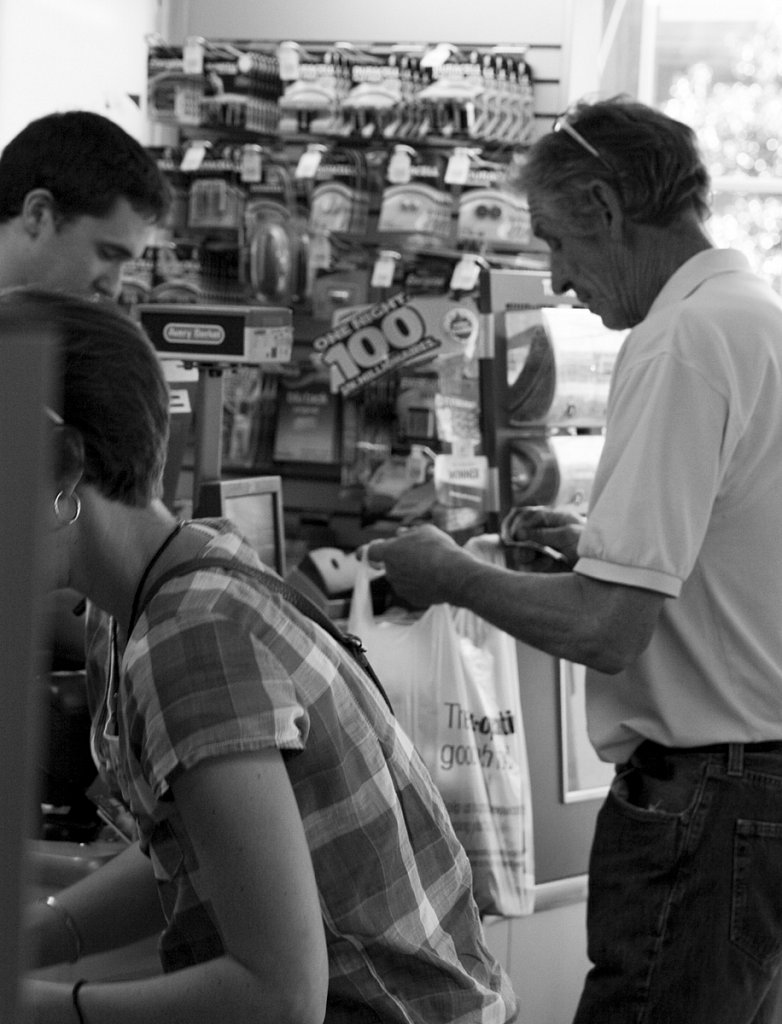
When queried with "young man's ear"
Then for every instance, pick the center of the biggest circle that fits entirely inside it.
(38, 211)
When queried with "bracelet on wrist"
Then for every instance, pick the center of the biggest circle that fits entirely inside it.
(75, 999)
(69, 923)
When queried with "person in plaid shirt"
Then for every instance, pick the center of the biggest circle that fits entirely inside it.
(293, 852)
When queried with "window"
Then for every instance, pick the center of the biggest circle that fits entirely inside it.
(719, 68)
(716, 65)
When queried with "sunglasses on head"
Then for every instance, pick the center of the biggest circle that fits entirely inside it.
(562, 124)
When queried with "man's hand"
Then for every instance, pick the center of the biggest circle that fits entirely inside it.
(541, 539)
(422, 564)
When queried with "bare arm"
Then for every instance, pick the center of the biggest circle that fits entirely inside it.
(255, 870)
(602, 625)
(115, 905)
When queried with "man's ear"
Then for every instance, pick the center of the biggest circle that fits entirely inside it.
(38, 211)
(606, 206)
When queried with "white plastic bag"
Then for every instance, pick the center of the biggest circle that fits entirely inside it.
(453, 682)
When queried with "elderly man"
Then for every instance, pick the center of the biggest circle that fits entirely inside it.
(673, 602)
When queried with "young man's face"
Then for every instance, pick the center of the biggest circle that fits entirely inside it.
(85, 255)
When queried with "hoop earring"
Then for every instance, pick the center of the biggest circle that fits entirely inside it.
(76, 508)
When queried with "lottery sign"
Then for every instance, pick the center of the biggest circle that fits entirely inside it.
(373, 342)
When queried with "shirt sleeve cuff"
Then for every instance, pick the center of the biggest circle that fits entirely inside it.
(629, 576)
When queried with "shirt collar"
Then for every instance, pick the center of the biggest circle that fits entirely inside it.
(698, 269)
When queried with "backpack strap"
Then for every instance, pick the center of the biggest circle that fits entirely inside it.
(272, 583)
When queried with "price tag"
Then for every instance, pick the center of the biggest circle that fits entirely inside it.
(383, 271)
(245, 63)
(193, 56)
(288, 59)
(458, 169)
(251, 169)
(400, 166)
(437, 56)
(269, 344)
(320, 252)
(194, 156)
(469, 114)
(465, 275)
(309, 162)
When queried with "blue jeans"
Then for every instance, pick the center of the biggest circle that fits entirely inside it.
(685, 890)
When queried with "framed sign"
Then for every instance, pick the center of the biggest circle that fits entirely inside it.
(584, 775)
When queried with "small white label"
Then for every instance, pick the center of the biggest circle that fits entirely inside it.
(400, 167)
(308, 164)
(288, 59)
(320, 252)
(195, 155)
(465, 275)
(193, 56)
(383, 272)
(251, 169)
(269, 344)
(458, 169)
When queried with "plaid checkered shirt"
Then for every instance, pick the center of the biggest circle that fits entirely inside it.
(217, 665)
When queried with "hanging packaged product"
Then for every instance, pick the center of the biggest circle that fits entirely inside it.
(558, 470)
(273, 241)
(332, 208)
(373, 342)
(416, 208)
(493, 219)
(411, 120)
(504, 109)
(214, 203)
(312, 103)
(244, 87)
(339, 200)
(173, 94)
(559, 365)
(414, 407)
(452, 98)
(371, 105)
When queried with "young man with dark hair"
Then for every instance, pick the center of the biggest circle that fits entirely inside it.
(78, 198)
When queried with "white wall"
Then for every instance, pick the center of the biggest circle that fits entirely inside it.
(460, 21)
(69, 54)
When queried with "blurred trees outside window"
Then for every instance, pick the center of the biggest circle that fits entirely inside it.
(722, 75)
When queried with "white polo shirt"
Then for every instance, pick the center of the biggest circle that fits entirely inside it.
(687, 501)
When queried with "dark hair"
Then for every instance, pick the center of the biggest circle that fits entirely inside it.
(87, 162)
(111, 389)
(651, 160)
